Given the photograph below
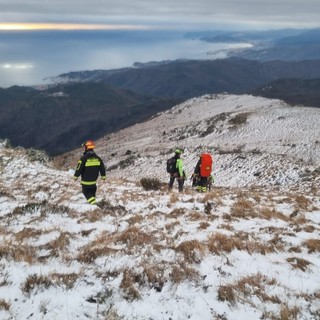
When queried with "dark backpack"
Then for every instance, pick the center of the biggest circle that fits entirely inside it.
(171, 165)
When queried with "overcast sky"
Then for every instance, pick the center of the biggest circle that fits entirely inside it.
(184, 14)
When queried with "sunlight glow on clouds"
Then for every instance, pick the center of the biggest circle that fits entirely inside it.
(17, 66)
(68, 26)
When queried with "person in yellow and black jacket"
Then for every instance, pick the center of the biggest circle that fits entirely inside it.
(89, 166)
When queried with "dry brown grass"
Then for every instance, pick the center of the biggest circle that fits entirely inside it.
(174, 198)
(226, 226)
(170, 226)
(41, 282)
(19, 253)
(309, 228)
(302, 202)
(136, 219)
(58, 246)
(28, 233)
(192, 250)
(270, 213)
(295, 249)
(299, 263)
(128, 285)
(287, 313)
(195, 216)
(246, 287)
(176, 213)
(182, 272)
(226, 293)
(101, 246)
(243, 208)
(219, 242)
(155, 276)
(214, 196)
(313, 245)
(133, 236)
(203, 225)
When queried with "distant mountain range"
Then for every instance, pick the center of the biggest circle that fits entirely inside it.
(62, 117)
(287, 44)
(92, 103)
(187, 79)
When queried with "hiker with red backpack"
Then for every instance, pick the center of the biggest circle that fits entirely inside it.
(175, 168)
(202, 173)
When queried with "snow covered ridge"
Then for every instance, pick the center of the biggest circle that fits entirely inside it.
(235, 253)
(254, 141)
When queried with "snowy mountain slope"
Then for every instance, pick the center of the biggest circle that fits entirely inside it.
(249, 249)
(254, 141)
(233, 253)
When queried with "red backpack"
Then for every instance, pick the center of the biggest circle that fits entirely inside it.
(206, 165)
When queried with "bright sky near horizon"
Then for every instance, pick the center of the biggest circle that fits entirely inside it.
(183, 14)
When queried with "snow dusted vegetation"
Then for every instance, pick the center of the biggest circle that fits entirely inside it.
(248, 249)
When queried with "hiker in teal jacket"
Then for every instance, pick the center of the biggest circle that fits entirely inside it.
(178, 172)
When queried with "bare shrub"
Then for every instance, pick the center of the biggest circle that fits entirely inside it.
(239, 119)
(150, 184)
(42, 208)
(43, 306)
(4, 276)
(298, 263)
(4, 305)
(313, 245)
(226, 293)
(193, 250)
(35, 281)
(111, 314)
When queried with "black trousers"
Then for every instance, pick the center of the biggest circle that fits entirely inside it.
(90, 193)
(180, 182)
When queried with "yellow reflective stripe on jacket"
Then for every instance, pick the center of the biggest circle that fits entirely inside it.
(88, 183)
(78, 165)
(94, 162)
